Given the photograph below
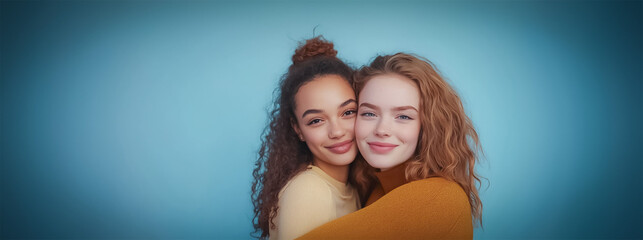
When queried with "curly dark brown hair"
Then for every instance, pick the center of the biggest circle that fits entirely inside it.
(282, 155)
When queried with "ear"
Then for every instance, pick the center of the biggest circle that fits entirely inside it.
(295, 127)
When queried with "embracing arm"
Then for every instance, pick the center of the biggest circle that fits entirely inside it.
(432, 208)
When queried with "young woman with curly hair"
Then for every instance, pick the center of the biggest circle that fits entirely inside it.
(422, 148)
(301, 178)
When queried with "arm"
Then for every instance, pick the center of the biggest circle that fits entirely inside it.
(305, 204)
(425, 209)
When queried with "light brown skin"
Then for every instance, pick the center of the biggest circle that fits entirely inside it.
(325, 111)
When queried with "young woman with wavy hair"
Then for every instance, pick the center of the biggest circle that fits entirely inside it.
(421, 147)
(301, 178)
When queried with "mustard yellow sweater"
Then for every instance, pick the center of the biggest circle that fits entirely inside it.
(432, 208)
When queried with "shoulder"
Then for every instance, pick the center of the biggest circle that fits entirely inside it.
(435, 198)
(436, 190)
(306, 184)
(304, 203)
(434, 183)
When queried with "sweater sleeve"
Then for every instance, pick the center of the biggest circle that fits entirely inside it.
(305, 204)
(432, 208)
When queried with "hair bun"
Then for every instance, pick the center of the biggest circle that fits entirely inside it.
(312, 48)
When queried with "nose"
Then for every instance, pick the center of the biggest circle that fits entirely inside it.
(336, 130)
(383, 128)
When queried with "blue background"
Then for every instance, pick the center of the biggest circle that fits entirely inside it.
(143, 119)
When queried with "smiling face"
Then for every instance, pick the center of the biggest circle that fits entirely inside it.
(325, 109)
(388, 125)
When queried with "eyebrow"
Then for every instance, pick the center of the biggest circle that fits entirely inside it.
(347, 102)
(311, 111)
(368, 105)
(401, 108)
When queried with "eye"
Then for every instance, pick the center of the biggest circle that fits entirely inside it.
(404, 117)
(368, 114)
(349, 112)
(314, 121)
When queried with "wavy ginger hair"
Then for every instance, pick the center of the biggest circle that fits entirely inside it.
(448, 143)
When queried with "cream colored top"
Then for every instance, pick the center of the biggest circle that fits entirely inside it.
(310, 199)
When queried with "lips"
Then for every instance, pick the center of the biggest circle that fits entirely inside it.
(341, 148)
(380, 147)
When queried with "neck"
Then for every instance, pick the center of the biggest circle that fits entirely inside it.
(392, 177)
(339, 173)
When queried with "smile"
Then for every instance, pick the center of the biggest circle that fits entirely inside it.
(341, 148)
(380, 147)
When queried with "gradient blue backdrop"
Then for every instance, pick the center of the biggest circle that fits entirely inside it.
(142, 119)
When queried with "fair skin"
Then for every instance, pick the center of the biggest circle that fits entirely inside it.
(326, 110)
(387, 128)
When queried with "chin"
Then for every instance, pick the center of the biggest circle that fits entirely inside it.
(377, 163)
(383, 163)
(344, 161)
(347, 161)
